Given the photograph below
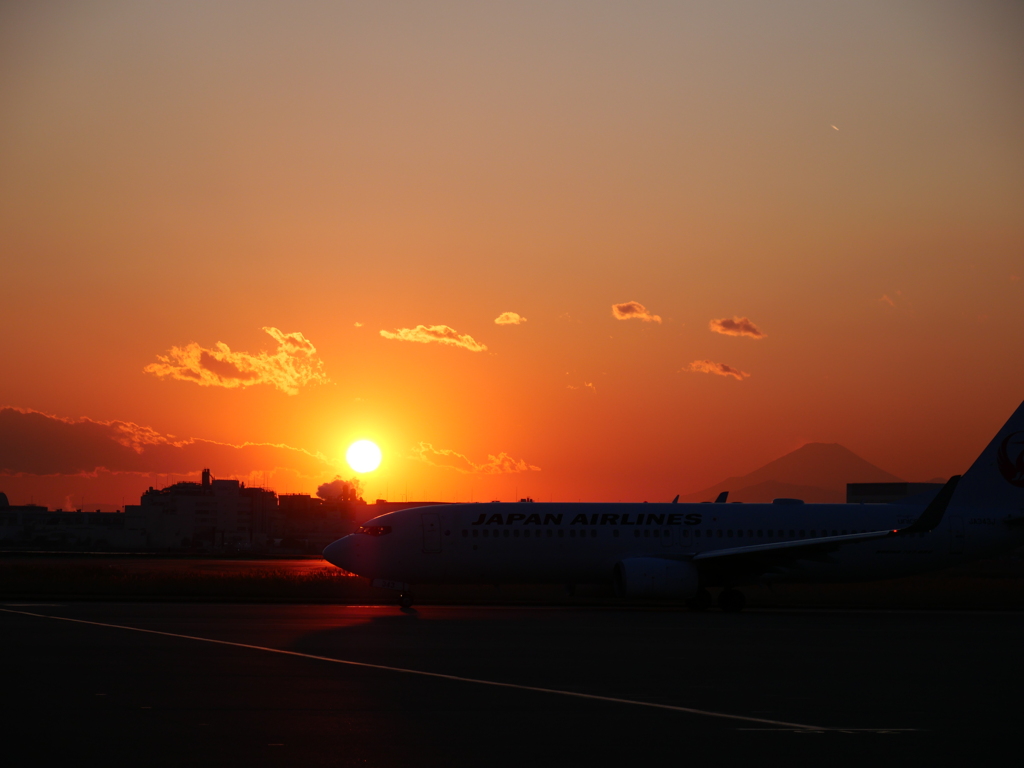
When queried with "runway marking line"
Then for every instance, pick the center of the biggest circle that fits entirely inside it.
(799, 727)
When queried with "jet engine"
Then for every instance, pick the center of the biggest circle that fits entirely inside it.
(655, 577)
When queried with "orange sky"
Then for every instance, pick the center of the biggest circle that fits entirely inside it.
(848, 177)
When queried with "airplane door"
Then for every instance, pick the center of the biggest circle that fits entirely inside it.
(431, 531)
(956, 535)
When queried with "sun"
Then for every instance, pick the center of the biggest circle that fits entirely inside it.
(363, 456)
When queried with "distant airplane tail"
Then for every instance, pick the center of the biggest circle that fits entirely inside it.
(996, 478)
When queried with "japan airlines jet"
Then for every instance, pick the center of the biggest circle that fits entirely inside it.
(677, 551)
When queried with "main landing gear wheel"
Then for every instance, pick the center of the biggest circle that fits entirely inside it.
(699, 602)
(405, 601)
(731, 600)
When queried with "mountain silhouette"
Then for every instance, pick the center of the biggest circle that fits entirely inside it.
(816, 473)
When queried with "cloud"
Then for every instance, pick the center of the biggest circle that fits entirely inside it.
(737, 326)
(633, 310)
(442, 334)
(589, 385)
(357, 324)
(719, 369)
(495, 465)
(35, 443)
(509, 318)
(340, 490)
(886, 300)
(294, 364)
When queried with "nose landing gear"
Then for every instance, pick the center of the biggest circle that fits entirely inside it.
(405, 601)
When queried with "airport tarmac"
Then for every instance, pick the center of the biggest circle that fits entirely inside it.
(326, 685)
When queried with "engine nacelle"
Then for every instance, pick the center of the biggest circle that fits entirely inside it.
(655, 577)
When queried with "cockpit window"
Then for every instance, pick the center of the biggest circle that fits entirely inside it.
(374, 530)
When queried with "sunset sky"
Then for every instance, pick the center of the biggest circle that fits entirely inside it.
(571, 250)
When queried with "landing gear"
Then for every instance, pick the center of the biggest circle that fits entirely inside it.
(699, 602)
(731, 600)
(405, 601)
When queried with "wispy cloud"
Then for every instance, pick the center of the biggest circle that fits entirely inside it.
(719, 369)
(633, 310)
(495, 465)
(442, 334)
(587, 385)
(35, 443)
(737, 326)
(293, 365)
(893, 299)
(509, 318)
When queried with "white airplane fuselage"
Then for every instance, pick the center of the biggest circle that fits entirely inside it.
(581, 543)
(676, 550)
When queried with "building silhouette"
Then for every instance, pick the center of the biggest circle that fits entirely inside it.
(40, 528)
(222, 516)
(212, 515)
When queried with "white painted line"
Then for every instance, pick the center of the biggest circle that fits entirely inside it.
(456, 678)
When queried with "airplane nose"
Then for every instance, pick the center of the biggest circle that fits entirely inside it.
(339, 553)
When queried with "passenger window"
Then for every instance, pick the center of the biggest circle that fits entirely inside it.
(739, 532)
(561, 533)
(550, 533)
(760, 534)
(729, 533)
(719, 533)
(696, 534)
(517, 533)
(636, 534)
(801, 534)
(686, 533)
(593, 533)
(506, 533)
(657, 534)
(835, 533)
(465, 533)
(844, 533)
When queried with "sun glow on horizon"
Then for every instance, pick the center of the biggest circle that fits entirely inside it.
(363, 456)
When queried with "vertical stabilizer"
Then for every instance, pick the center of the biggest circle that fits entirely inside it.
(996, 479)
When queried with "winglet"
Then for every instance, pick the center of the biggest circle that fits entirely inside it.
(722, 497)
(676, 499)
(933, 513)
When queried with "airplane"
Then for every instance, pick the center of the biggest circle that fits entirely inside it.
(678, 551)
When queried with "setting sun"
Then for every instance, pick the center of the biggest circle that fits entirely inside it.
(363, 456)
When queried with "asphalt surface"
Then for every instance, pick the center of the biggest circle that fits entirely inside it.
(819, 687)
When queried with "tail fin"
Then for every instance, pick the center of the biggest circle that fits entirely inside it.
(996, 479)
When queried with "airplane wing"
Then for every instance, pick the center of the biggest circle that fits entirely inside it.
(759, 558)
